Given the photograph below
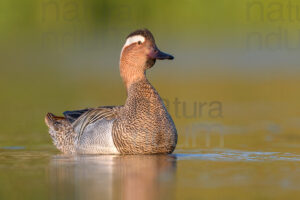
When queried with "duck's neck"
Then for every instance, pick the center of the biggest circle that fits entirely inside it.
(131, 73)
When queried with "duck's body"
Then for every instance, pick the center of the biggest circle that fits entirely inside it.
(142, 126)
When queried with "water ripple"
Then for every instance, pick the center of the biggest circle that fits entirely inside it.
(236, 156)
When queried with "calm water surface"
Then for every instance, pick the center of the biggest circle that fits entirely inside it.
(187, 174)
(232, 91)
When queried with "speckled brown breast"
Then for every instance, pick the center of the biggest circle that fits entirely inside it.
(143, 125)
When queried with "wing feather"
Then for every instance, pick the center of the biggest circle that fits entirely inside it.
(93, 115)
(71, 116)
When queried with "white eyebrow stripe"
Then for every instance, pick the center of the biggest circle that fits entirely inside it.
(134, 39)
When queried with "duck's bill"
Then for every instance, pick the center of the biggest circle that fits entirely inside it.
(157, 54)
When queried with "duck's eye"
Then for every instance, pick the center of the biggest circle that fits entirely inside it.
(139, 42)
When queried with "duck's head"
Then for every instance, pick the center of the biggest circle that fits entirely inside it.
(138, 54)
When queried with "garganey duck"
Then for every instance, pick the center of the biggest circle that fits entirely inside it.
(141, 126)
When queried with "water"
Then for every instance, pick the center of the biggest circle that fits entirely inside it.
(232, 91)
(241, 143)
(198, 174)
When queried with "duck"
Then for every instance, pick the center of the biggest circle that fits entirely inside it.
(141, 126)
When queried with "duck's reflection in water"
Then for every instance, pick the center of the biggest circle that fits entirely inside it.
(112, 177)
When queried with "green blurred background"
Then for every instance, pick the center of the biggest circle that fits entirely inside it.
(232, 90)
(236, 67)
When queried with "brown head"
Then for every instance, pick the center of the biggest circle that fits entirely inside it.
(138, 54)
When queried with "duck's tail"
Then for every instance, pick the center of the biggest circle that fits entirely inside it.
(52, 120)
(61, 132)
